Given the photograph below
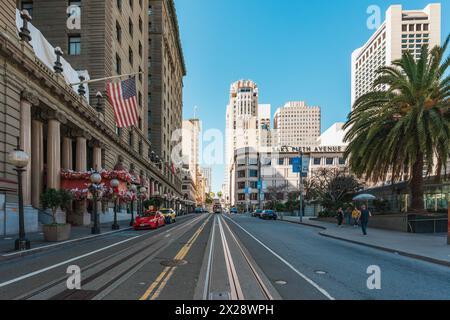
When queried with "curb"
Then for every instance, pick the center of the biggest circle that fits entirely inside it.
(11, 255)
(401, 253)
(305, 224)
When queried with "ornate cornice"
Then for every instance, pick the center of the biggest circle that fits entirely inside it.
(30, 96)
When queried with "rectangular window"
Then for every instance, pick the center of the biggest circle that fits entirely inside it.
(74, 45)
(241, 185)
(118, 65)
(281, 161)
(253, 173)
(252, 161)
(118, 32)
(241, 174)
(426, 27)
(317, 161)
(119, 5)
(329, 161)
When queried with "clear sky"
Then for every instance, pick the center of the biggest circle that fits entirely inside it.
(293, 50)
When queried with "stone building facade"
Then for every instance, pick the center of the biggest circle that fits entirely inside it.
(165, 77)
(59, 129)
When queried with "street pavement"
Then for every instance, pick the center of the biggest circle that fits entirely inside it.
(220, 257)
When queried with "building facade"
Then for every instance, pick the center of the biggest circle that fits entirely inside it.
(166, 69)
(296, 124)
(242, 125)
(272, 169)
(402, 31)
(59, 129)
(207, 174)
(191, 140)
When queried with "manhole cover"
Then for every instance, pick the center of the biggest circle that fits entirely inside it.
(320, 272)
(281, 282)
(173, 263)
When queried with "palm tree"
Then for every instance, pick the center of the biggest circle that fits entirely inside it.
(404, 131)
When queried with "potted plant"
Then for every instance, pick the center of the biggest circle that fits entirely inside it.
(54, 199)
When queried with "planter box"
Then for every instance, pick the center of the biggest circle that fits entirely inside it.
(56, 233)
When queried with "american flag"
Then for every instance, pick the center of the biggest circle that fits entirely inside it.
(122, 96)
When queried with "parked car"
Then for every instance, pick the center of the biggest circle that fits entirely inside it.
(269, 215)
(198, 210)
(233, 211)
(170, 215)
(149, 220)
(257, 213)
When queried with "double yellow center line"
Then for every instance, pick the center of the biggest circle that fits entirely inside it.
(159, 284)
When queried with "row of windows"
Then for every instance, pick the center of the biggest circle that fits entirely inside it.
(415, 27)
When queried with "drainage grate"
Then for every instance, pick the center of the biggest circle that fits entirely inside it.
(173, 263)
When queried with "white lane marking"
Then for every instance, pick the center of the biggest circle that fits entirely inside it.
(32, 274)
(210, 257)
(64, 242)
(311, 282)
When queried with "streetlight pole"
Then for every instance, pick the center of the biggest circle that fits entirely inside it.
(19, 159)
(114, 185)
(96, 179)
(133, 190)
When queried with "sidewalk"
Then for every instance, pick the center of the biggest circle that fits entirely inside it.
(428, 247)
(38, 243)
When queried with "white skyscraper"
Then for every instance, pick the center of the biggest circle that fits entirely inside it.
(296, 125)
(403, 30)
(242, 123)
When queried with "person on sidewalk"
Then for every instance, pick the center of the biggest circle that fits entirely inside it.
(348, 216)
(356, 214)
(365, 215)
(340, 216)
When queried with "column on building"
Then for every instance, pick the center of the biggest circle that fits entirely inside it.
(81, 138)
(37, 161)
(97, 158)
(27, 100)
(67, 153)
(54, 149)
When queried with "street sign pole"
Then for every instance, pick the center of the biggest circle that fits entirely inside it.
(300, 187)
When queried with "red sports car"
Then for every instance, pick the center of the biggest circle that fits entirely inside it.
(149, 220)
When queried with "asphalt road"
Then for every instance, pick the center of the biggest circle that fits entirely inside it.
(220, 257)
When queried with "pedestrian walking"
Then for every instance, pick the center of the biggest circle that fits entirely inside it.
(348, 216)
(365, 215)
(356, 214)
(340, 216)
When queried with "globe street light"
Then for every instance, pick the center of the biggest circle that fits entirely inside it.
(19, 159)
(114, 185)
(96, 179)
(133, 190)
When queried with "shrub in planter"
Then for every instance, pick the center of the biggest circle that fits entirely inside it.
(54, 199)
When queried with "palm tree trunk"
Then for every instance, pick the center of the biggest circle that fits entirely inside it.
(417, 185)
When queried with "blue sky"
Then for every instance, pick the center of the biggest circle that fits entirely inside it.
(293, 50)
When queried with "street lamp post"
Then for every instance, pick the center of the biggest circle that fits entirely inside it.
(114, 185)
(96, 179)
(133, 190)
(142, 192)
(19, 159)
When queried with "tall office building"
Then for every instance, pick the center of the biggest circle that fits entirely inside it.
(241, 123)
(166, 69)
(296, 124)
(190, 150)
(207, 174)
(403, 30)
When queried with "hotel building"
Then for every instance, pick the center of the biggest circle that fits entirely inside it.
(402, 31)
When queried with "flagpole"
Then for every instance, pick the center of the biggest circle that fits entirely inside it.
(103, 79)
